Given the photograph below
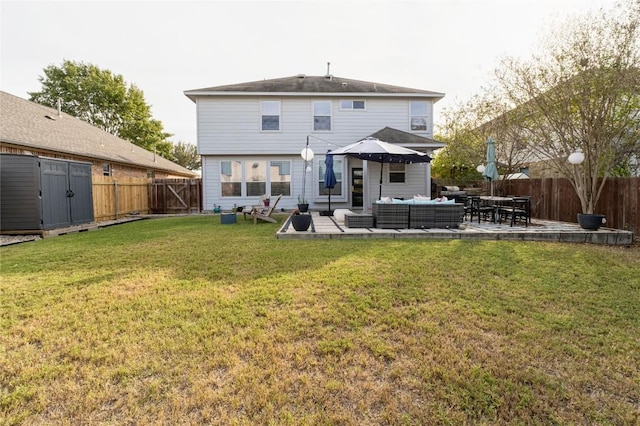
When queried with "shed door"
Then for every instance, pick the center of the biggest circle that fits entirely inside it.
(80, 190)
(55, 203)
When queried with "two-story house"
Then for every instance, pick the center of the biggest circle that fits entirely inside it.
(250, 137)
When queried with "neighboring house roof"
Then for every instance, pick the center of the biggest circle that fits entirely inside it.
(318, 85)
(31, 125)
(406, 139)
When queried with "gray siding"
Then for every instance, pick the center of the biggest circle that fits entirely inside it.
(231, 125)
(229, 128)
(415, 181)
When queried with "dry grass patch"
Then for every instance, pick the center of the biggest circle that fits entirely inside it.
(188, 321)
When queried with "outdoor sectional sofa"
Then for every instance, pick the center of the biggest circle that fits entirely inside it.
(432, 215)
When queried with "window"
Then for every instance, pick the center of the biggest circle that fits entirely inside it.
(337, 168)
(397, 173)
(351, 104)
(250, 178)
(418, 116)
(231, 178)
(256, 178)
(270, 115)
(322, 116)
(280, 177)
(106, 169)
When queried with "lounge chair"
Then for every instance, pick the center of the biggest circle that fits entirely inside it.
(264, 212)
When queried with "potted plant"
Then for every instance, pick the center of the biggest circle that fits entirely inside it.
(300, 222)
(303, 204)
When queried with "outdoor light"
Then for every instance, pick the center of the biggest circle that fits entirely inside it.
(576, 157)
(307, 154)
(481, 168)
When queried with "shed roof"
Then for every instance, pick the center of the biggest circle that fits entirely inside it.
(303, 84)
(28, 124)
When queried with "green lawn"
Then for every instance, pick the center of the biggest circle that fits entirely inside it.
(186, 321)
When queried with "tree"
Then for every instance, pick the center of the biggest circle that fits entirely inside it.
(581, 93)
(186, 155)
(105, 101)
(458, 160)
(467, 128)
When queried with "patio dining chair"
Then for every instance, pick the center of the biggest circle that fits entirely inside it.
(264, 212)
(475, 207)
(520, 210)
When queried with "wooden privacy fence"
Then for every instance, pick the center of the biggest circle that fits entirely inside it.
(555, 199)
(114, 198)
(175, 196)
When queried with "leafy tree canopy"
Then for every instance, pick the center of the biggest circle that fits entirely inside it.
(186, 155)
(104, 100)
(580, 91)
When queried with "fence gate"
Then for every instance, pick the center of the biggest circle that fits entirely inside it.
(175, 196)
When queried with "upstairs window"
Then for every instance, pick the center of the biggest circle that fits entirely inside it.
(349, 104)
(418, 116)
(271, 115)
(322, 116)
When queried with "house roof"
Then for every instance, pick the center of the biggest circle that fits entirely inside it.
(303, 84)
(31, 125)
(406, 139)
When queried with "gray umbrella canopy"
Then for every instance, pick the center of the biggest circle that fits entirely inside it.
(372, 149)
(491, 171)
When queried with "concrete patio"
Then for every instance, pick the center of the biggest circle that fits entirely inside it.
(538, 230)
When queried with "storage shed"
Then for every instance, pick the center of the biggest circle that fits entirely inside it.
(39, 193)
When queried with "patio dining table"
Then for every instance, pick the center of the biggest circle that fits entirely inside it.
(496, 202)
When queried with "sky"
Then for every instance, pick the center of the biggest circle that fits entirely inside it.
(167, 47)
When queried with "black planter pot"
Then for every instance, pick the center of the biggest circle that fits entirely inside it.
(301, 222)
(591, 221)
(303, 208)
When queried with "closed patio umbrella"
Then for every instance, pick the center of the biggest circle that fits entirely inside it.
(329, 181)
(491, 171)
(372, 149)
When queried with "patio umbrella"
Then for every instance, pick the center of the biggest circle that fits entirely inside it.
(491, 171)
(372, 149)
(329, 180)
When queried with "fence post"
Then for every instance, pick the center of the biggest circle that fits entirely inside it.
(115, 190)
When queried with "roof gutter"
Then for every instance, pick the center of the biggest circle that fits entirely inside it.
(193, 94)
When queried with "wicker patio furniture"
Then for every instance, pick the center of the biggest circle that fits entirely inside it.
(391, 216)
(353, 220)
(435, 215)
